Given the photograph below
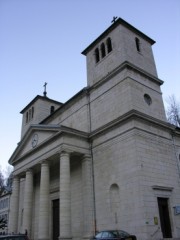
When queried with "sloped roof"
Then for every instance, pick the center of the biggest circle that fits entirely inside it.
(42, 98)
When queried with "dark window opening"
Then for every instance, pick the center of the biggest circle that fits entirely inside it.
(147, 99)
(52, 109)
(103, 51)
(29, 114)
(109, 45)
(55, 219)
(97, 55)
(137, 44)
(32, 113)
(27, 117)
(164, 217)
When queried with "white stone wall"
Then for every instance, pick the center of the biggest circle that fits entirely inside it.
(74, 114)
(125, 96)
(136, 161)
(115, 162)
(158, 167)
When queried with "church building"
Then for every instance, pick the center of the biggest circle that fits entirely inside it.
(105, 159)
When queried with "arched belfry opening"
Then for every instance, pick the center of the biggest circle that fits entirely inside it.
(109, 45)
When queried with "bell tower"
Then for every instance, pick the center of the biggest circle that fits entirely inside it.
(120, 43)
(121, 62)
(37, 110)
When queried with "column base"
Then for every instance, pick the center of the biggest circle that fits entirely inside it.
(87, 237)
(65, 238)
(43, 239)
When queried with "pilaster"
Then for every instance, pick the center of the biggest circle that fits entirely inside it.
(88, 215)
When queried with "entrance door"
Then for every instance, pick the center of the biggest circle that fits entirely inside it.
(55, 219)
(164, 217)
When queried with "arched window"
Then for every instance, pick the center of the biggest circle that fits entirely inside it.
(114, 201)
(32, 113)
(103, 51)
(97, 55)
(109, 45)
(30, 116)
(26, 117)
(52, 109)
(137, 44)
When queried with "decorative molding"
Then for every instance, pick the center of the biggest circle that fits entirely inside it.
(132, 114)
(162, 188)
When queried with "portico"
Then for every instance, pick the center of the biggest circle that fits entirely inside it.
(50, 177)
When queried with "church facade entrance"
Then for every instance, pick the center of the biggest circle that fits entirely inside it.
(55, 226)
(164, 217)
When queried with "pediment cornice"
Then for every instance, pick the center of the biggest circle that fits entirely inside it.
(45, 134)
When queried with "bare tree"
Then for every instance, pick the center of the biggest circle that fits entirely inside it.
(5, 179)
(3, 223)
(1, 182)
(173, 111)
(8, 176)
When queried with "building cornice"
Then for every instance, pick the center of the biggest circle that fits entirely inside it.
(133, 114)
(122, 66)
(59, 132)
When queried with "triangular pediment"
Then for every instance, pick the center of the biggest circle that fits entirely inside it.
(35, 137)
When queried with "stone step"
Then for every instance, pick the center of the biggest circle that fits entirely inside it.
(169, 239)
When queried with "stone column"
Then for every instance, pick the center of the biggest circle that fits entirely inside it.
(28, 201)
(87, 197)
(14, 207)
(43, 233)
(65, 197)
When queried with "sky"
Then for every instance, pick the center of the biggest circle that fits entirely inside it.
(42, 40)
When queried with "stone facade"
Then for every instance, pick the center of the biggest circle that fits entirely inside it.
(105, 159)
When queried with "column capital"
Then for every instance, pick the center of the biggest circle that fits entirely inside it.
(44, 162)
(65, 149)
(28, 170)
(86, 157)
(64, 153)
(16, 178)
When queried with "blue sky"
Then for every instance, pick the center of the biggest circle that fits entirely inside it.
(42, 40)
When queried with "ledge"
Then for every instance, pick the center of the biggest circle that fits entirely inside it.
(162, 188)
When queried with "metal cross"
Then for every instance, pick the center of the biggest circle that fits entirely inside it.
(45, 89)
(114, 19)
